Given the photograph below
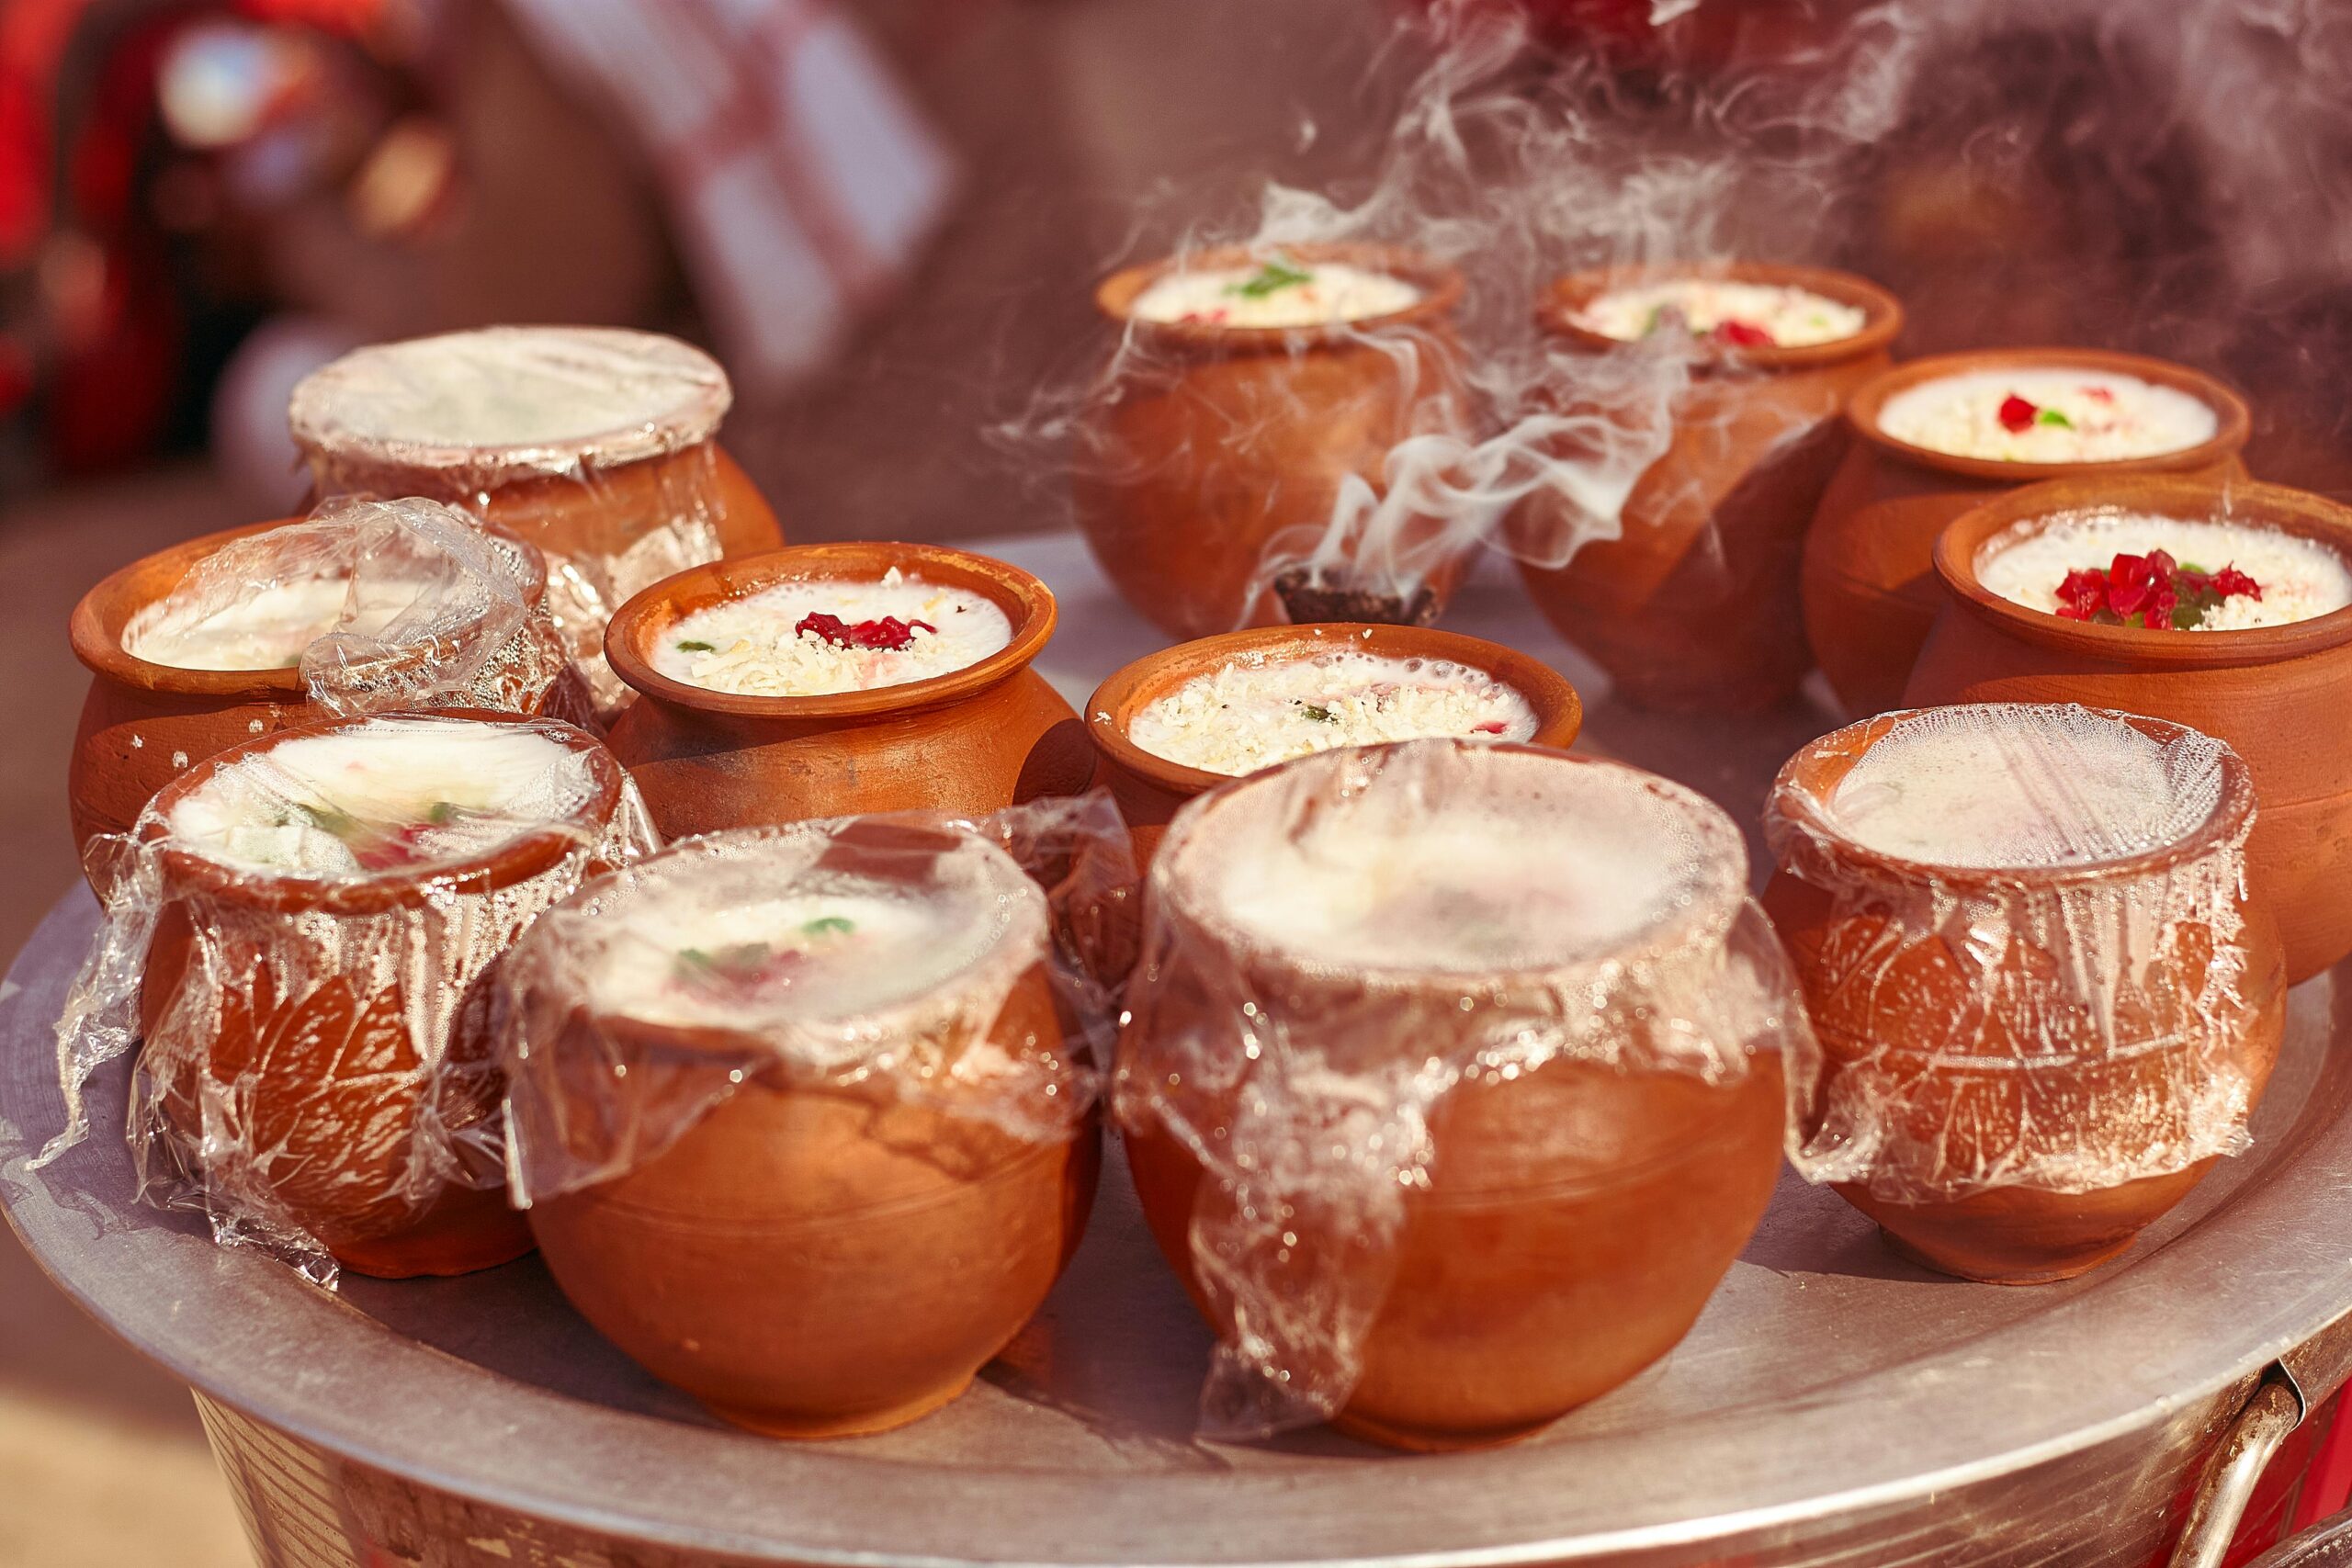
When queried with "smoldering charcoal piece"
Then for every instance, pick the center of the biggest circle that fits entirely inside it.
(1307, 596)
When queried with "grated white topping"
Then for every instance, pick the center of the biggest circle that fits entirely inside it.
(1248, 716)
(1791, 318)
(751, 648)
(2107, 418)
(2299, 579)
(1278, 292)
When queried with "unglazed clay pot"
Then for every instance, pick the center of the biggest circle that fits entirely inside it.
(1210, 443)
(975, 740)
(1869, 583)
(827, 1262)
(1576, 1207)
(1150, 789)
(2276, 695)
(143, 725)
(1695, 608)
(297, 999)
(1958, 1011)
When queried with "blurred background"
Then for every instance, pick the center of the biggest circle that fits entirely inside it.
(885, 216)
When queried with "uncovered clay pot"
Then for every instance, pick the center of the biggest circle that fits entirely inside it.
(1694, 607)
(1210, 443)
(143, 725)
(1975, 1080)
(297, 1000)
(1150, 789)
(2276, 693)
(975, 740)
(1575, 1209)
(1869, 583)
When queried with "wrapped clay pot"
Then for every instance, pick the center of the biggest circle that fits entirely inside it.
(795, 1121)
(1211, 469)
(2275, 695)
(2044, 1002)
(599, 446)
(1441, 1148)
(298, 931)
(1150, 788)
(480, 634)
(1694, 606)
(1869, 583)
(972, 740)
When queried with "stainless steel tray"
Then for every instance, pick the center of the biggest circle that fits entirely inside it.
(1833, 1405)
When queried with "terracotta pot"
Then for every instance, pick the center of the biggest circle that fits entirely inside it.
(1869, 583)
(143, 725)
(1579, 1211)
(311, 1036)
(2275, 695)
(1695, 607)
(1150, 789)
(818, 1262)
(1935, 1042)
(1209, 443)
(975, 740)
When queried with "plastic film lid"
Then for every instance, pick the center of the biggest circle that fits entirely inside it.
(502, 404)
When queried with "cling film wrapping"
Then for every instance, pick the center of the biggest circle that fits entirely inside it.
(295, 938)
(2027, 950)
(966, 967)
(1380, 977)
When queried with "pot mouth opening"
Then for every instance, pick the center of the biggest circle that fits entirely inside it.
(2233, 421)
(1882, 317)
(1441, 288)
(1027, 605)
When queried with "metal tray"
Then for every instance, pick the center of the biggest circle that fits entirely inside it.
(1833, 1405)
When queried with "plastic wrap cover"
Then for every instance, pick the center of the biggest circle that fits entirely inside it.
(868, 954)
(297, 932)
(432, 612)
(462, 416)
(2032, 971)
(1552, 909)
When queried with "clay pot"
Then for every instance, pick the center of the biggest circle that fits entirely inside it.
(143, 725)
(1943, 1055)
(821, 1262)
(1210, 443)
(2275, 695)
(975, 740)
(1579, 1212)
(1695, 607)
(1870, 583)
(1150, 789)
(310, 1035)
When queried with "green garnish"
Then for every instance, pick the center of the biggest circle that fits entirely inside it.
(827, 925)
(1320, 716)
(742, 965)
(691, 646)
(1271, 277)
(444, 812)
(2052, 416)
(328, 819)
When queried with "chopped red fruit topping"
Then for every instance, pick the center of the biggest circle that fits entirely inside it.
(1736, 334)
(2016, 414)
(2099, 394)
(2155, 589)
(889, 633)
(1492, 727)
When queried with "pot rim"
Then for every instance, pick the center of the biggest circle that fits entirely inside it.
(2295, 511)
(1883, 312)
(1709, 915)
(1798, 803)
(99, 618)
(1439, 283)
(1559, 710)
(505, 865)
(2233, 418)
(1027, 602)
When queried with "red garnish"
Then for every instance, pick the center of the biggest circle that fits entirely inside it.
(1735, 333)
(1493, 726)
(2156, 589)
(2098, 394)
(396, 848)
(2016, 414)
(889, 634)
